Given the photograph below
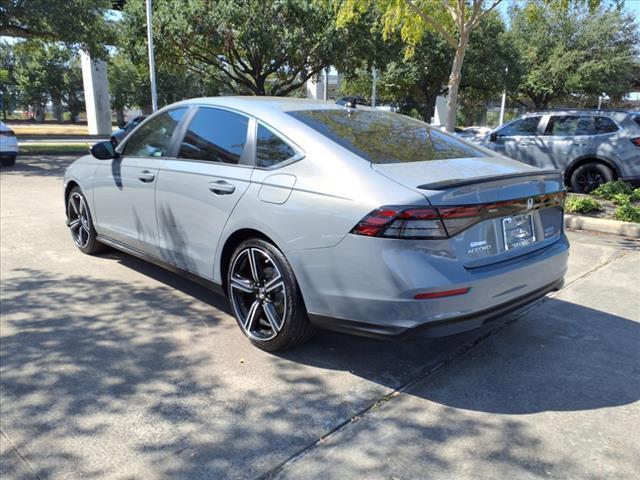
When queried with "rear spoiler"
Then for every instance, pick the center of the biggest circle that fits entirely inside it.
(457, 182)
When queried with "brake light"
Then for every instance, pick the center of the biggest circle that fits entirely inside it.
(402, 222)
(636, 141)
(447, 221)
(8, 133)
(445, 293)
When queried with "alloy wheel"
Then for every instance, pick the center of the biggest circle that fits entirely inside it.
(258, 294)
(79, 220)
(590, 180)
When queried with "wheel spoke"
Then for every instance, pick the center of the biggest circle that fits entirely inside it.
(74, 206)
(252, 316)
(254, 266)
(272, 316)
(274, 283)
(243, 284)
(74, 224)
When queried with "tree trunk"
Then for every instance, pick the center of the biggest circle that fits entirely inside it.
(57, 109)
(454, 82)
(39, 113)
(120, 116)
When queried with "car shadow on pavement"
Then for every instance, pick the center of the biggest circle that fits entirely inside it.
(102, 378)
(40, 165)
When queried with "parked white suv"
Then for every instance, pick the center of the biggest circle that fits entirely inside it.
(591, 146)
(8, 146)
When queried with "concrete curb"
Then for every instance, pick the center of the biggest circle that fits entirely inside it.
(603, 225)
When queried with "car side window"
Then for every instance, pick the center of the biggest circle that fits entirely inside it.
(215, 135)
(564, 125)
(605, 125)
(523, 126)
(154, 137)
(576, 125)
(270, 148)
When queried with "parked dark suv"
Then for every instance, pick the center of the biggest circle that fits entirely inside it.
(591, 146)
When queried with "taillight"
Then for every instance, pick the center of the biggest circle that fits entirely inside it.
(636, 141)
(402, 222)
(8, 133)
(446, 221)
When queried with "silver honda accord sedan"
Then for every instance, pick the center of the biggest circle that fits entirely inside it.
(313, 215)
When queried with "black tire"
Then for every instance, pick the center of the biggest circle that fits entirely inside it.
(8, 161)
(290, 325)
(83, 233)
(589, 176)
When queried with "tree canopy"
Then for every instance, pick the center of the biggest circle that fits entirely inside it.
(261, 47)
(573, 54)
(81, 23)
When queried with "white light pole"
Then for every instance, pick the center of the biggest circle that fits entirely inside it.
(325, 84)
(504, 100)
(152, 65)
(374, 81)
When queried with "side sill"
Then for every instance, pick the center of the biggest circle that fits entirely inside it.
(209, 284)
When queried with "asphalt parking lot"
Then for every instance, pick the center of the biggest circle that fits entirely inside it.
(114, 368)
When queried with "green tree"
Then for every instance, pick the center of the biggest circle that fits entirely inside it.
(46, 71)
(81, 23)
(412, 82)
(73, 93)
(573, 56)
(260, 47)
(8, 87)
(453, 20)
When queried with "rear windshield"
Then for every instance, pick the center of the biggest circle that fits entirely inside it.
(385, 137)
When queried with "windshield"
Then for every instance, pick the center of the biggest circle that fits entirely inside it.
(385, 137)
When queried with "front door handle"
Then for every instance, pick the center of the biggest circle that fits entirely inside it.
(220, 187)
(146, 176)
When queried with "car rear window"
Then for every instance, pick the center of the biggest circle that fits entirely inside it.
(385, 137)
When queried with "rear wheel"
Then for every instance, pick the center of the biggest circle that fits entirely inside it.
(8, 160)
(590, 176)
(265, 297)
(80, 223)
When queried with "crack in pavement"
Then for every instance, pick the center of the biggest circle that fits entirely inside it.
(14, 449)
(425, 373)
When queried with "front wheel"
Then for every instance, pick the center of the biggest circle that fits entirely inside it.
(80, 223)
(265, 297)
(586, 178)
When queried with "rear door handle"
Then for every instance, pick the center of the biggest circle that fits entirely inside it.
(146, 176)
(220, 187)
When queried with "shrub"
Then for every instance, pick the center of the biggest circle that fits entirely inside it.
(635, 196)
(609, 189)
(581, 205)
(620, 199)
(628, 213)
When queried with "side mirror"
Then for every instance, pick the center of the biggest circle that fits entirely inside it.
(493, 136)
(103, 150)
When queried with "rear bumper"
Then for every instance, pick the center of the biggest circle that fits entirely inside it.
(436, 328)
(367, 286)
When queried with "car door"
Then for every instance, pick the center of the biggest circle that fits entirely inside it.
(519, 140)
(569, 137)
(124, 188)
(197, 190)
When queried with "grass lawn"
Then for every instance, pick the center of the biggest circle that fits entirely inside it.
(55, 149)
(48, 129)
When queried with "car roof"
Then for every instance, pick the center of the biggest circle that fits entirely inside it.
(257, 105)
(577, 111)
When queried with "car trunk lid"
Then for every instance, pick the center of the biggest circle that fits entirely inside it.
(493, 208)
